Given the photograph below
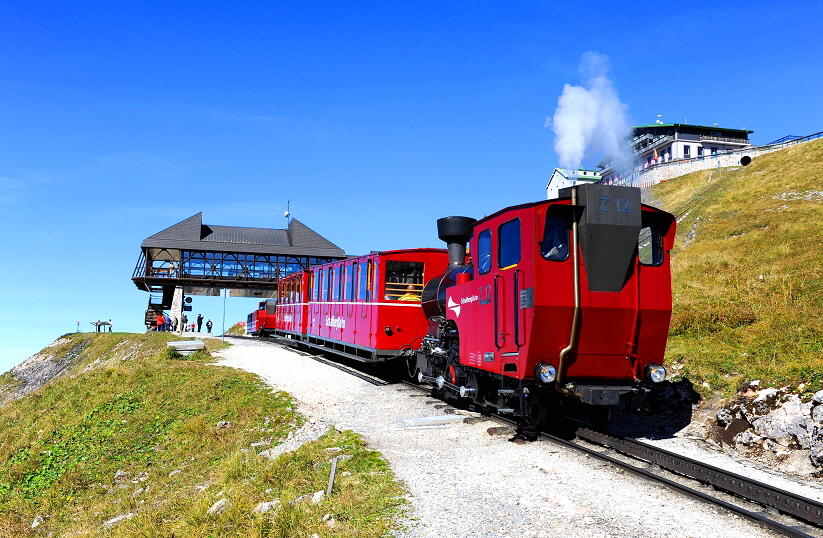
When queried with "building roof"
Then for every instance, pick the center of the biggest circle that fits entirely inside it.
(576, 175)
(678, 125)
(191, 234)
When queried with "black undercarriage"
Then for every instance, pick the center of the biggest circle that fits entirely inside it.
(531, 403)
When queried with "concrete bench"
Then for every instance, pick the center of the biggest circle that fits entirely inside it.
(187, 347)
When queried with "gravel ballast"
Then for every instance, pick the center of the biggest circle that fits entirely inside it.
(462, 481)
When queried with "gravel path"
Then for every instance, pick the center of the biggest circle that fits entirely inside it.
(464, 482)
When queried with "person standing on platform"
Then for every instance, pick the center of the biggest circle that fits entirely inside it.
(199, 322)
(184, 322)
(109, 325)
(208, 326)
(160, 322)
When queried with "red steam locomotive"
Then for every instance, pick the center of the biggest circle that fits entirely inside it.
(563, 301)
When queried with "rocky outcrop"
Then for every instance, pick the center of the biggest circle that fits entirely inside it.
(36, 371)
(773, 421)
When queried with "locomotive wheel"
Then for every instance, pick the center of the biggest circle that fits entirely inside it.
(536, 411)
(600, 416)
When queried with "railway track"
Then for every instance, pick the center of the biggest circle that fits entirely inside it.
(770, 507)
(778, 510)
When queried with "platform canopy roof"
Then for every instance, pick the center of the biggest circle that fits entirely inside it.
(296, 240)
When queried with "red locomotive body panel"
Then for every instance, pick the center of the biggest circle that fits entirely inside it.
(519, 308)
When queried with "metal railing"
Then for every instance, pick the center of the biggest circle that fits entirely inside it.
(662, 139)
(726, 139)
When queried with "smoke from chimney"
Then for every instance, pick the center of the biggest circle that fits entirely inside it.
(589, 118)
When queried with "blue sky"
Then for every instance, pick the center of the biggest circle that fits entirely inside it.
(376, 118)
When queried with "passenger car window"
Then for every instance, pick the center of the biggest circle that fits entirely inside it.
(555, 243)
(650, 246)
(484, 252)
(509, 253)
(404, 280)
(334, 282)
(363, 294)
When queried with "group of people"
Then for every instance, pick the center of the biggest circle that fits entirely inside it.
(165, 323)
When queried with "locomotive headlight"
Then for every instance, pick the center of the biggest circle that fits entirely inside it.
(545, 372)
(656, 373)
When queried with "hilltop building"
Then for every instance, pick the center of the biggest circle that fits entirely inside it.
(660, 143)
(563, 177)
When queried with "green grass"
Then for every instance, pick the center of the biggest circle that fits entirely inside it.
(147, 413)
(8, 381)
(236, 330)
(748, 291)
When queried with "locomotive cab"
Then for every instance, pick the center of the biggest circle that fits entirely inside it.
(565, 299)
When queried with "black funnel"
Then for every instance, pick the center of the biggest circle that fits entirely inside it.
(455, 231)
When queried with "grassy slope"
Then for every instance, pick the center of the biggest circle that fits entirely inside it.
(748, 294)
(147, 414)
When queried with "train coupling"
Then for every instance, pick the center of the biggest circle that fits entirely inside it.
(441, 383)
(599, 394)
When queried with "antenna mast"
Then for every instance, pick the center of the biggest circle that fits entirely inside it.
(288, 204)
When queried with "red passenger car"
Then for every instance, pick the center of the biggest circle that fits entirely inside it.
(292, 311)
(566, 298)
(366, 308)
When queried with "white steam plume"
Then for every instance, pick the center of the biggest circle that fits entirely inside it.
(589, 118)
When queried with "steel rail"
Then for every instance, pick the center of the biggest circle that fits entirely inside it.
(762, 519)
(789, 503)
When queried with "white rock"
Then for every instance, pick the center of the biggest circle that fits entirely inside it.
(264, 507)
(318, 496)
(218, 508)
(115, 520)
(37, 522)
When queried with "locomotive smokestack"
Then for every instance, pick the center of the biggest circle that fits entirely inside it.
(455, 231)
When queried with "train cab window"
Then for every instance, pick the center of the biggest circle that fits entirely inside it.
(555, 243)
(363, 292)
(404, 280)
(650, 246)
(484, 252)
(271, 306)
(509, 238)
